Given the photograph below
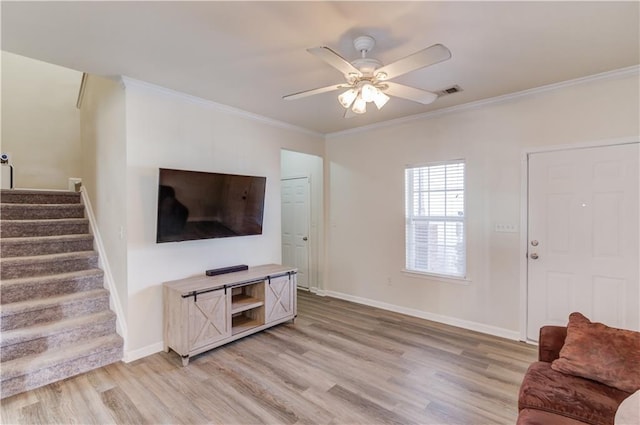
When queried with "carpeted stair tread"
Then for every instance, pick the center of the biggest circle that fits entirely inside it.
(15, 336)
(43, 310)
(44, 303)
(40, 265)
(40, 211)
(18, 240)
(25, 196)
(43, 227)
(40, 369)
(42, 245)
(39, 338)
(21, 289)
(34, 362)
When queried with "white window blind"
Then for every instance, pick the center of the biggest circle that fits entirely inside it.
(435, 222)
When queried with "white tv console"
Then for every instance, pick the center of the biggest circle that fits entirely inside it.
(204, 312)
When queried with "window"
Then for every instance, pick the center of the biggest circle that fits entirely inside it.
(435, 223)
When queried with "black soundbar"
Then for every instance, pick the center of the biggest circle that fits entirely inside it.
(225, 270)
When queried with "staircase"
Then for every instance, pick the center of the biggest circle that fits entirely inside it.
(55, 320)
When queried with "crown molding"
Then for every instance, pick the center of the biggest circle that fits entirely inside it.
(609, 75)
(133, 83)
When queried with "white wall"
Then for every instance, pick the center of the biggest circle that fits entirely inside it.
(295, 164)
(104, 166)
(170, 130)
(366, 178)
(40, 122)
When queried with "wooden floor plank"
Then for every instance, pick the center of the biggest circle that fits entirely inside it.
(338, 363)
(36, 414)
(122, 408)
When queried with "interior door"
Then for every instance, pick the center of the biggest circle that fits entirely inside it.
(583, 237)
(296, 213)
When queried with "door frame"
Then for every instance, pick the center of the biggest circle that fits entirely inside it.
(310, 262)
(524, 212)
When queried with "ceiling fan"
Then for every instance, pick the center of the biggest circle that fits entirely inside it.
(367, 80)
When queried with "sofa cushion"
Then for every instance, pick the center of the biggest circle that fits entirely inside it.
(599, 352)
(573, 397)
(540, 417)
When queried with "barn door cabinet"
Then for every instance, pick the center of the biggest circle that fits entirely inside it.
(279, 298)
(204, 312)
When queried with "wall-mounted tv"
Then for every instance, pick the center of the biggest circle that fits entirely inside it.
(199, 205)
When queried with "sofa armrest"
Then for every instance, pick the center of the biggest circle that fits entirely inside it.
(551, 342)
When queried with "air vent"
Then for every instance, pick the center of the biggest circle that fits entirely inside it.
(449, 90)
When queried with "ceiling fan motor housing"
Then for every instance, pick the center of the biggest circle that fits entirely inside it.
(367, 65)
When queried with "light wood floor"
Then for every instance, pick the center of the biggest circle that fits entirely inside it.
(340, 363)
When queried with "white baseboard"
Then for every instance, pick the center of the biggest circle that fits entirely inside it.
(447, 320)
(317, 291)
(130, 356)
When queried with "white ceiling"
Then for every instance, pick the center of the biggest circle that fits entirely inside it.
(249, 54)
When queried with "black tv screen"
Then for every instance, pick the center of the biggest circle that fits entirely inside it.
(199, 205)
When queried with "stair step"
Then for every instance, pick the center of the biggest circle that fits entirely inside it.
(40, 265)
(33, 312)
(42, 245)
(37, 370)
(39, 338)
(26, 288)
(20, 196)
(55, 320)
(40, 211)
(50, 227)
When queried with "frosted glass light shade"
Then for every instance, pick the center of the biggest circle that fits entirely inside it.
(347, 98)
(359, 106)
(380, 99)
(368, 92)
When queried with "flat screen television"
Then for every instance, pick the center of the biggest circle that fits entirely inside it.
(199, 205)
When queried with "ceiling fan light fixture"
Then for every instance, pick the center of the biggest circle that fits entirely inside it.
(368, 92)
(381, 76)
(359, 106)
(346, 99)
(380, 99)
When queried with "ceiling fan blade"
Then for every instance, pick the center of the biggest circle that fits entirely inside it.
(335, 60)
(410, 93)
(425, 57)
(311, 92)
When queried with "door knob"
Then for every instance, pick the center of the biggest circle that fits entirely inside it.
(305, 238)
(533, 256)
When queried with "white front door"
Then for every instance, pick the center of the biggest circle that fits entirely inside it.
(296, 211)
(583, 237)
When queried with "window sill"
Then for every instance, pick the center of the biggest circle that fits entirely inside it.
(437, 277)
